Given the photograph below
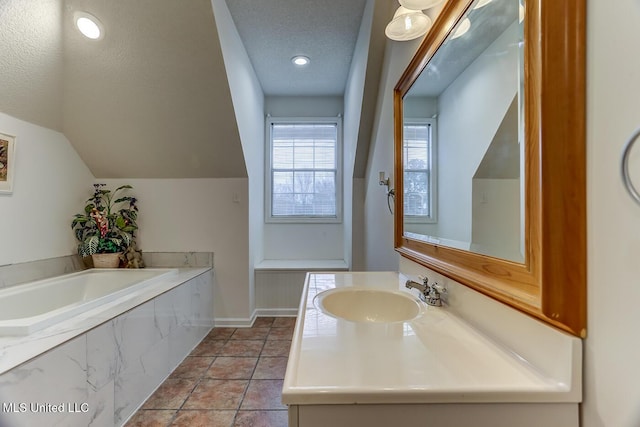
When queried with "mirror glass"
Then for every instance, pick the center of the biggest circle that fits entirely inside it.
(463, 138)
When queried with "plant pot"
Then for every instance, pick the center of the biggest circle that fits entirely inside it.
(87, 261)
(110, 260)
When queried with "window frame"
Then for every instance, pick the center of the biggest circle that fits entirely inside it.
(432, 218)
(268, 199)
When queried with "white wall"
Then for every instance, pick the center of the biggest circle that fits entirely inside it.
(200, 215)
(612, 368)
(353, 97)
(303, 241)
(481, 96)
(496, 230)
(378, 221)
(51, 184)
(248, 103)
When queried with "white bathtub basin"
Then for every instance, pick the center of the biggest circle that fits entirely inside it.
(25, 309)
(368, 305)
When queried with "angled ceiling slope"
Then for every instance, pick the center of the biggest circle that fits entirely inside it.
(150, 100)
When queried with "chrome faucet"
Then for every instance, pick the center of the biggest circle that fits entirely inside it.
(428, 293)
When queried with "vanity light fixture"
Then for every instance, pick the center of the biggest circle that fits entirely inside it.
(300, 60)
(464, 26)
(407, 24)
(419, 4)
(88, 25)
(481, 3)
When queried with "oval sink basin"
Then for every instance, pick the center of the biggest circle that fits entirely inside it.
(368, 305)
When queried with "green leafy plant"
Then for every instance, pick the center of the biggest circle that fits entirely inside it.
(108, 224)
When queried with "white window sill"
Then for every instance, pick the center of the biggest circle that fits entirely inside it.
(302, 265)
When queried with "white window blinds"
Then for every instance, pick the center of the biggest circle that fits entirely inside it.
(417, 170)
(304, 169)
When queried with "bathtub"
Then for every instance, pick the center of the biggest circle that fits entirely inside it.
(25, 309)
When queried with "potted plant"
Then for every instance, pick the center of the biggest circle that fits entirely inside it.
(107, 226)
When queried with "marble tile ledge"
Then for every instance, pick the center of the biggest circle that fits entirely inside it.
(25, 272)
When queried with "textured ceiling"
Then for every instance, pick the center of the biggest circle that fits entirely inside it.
(152, 99)
(31, 61)
(274, 31)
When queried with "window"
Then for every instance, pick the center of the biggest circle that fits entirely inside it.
(303, 173)
(419, 171)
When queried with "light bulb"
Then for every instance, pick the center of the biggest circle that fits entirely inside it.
(462, 28)
(300, 60)
(88, 25)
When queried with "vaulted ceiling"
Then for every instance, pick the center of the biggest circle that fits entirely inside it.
(151, 99)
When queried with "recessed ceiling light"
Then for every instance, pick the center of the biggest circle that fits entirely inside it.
(300, 60)
(88, 25)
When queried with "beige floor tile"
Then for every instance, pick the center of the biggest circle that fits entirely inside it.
(242, 348)
(231, 369)
(239, 368)
(284, 322)
(250, 334)
(263, 322)
(220, 333)
(261, 419)
(171, 394)
(276, 348)
(151, 418)
(203, 418)
(270, 368)
(280, 334)
(216, 394)
(263, 394)
(192, 367)
(208, 348)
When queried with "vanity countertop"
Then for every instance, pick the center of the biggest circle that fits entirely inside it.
(434, 358)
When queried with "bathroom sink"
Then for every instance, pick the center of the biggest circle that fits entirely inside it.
(368, 305)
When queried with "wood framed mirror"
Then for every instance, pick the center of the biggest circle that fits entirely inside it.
(508, 193)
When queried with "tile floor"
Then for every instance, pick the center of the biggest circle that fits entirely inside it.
(232, 378)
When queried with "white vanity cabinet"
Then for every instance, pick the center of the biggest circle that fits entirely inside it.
(435, 415)
(434, 370)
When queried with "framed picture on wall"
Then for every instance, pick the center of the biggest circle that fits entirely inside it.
(7, 162)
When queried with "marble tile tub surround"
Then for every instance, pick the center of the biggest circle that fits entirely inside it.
(24, 272)
(19, 349)
(102, 376)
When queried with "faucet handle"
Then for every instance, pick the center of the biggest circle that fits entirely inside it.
(433, 297)
(438, 288)
(424, 280)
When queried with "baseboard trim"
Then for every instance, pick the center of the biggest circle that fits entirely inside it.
(244, 322)
(276, 312)
(234, 322)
